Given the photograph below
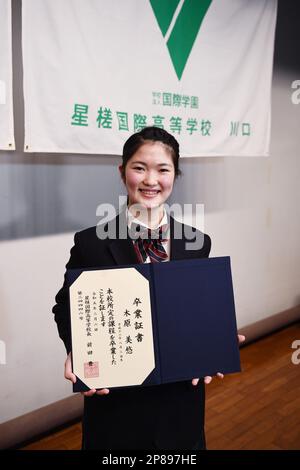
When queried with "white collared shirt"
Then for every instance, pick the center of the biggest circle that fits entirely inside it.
(131, 219)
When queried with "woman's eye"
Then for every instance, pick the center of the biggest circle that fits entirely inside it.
(138, 168)
(163, 170)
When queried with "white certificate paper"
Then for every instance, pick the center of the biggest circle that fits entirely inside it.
(111, 324)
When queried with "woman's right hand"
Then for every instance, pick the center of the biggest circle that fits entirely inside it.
(70, 376)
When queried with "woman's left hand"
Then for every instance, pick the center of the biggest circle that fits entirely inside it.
(208, 378)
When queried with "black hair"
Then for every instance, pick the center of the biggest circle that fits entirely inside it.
(151, 134)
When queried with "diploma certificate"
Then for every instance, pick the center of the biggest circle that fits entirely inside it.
(155, 323)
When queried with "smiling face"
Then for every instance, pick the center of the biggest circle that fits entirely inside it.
(149, 175)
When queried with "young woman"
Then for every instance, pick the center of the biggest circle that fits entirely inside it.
(169, 416)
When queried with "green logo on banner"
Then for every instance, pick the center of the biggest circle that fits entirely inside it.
(181, 32)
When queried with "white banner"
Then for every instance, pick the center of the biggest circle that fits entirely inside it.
(7, 141)
(97, 71)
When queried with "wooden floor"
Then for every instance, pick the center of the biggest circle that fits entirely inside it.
(257, 409)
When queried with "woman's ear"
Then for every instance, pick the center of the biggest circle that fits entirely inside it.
(122, 173)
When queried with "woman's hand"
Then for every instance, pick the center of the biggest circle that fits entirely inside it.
(72, 377)
(68, 369)
(241, 338)
(208, 378)
(93, 391)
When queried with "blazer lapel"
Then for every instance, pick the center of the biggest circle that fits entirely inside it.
(122, 249)
(178, 242)
(178, 250)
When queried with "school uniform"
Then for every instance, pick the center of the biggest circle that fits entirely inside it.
(169, 416)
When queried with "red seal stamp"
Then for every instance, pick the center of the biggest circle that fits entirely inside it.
(91, 369)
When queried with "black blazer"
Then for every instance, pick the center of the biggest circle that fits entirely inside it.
(167, 416)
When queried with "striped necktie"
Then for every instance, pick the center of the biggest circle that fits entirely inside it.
(150, 243)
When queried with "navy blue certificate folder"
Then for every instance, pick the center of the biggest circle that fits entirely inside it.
(193, 318)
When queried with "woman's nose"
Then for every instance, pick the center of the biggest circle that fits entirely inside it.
(150, 178)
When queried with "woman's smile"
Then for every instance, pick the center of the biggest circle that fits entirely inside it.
(149, 192)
